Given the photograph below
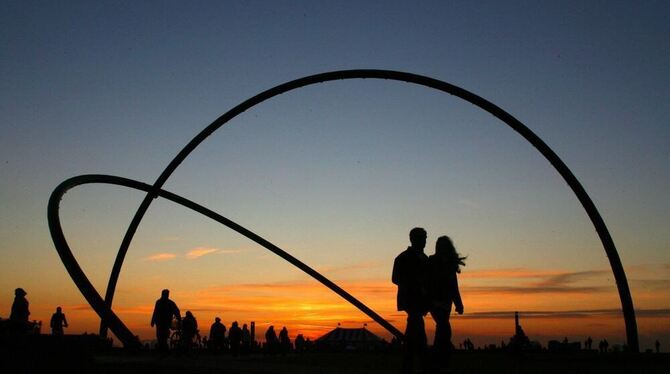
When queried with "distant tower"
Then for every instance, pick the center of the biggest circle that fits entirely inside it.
(253, 331)
(516, 323)
(519, 340)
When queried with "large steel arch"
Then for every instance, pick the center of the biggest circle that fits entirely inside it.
(516, 125)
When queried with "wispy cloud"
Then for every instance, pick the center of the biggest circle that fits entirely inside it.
(198, 252)
(161, 257)
(530, 281)
(191, 254)
(509, 273)
(566, 278)
(522, 290)
(566, 314)
(654, 284)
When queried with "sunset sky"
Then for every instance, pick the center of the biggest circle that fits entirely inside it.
(338, 173)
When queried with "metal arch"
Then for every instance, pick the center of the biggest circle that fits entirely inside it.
(101, 307)
(525, 132)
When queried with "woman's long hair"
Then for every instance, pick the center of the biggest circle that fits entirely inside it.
(446, 250)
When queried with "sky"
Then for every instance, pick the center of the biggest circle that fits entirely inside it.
(338, 173)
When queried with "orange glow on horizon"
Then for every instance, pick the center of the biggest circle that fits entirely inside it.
(553, 304)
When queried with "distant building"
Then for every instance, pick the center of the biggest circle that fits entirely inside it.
(520, 341)
(343, 339)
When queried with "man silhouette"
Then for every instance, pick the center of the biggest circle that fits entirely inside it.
(58, 321)
(217, 335)
(164, 310)
(409, 274)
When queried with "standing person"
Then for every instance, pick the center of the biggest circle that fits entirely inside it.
(217, 335)
(164, 310)
(658, 346)
(246, 339)
(284, 341)
(443, 289)
(189, 329)
(20, 312)
(58, 321)
(409, 274)
(235, 337)
(271, 341)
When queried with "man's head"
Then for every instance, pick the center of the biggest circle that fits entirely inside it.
(217, 319)
(417, 236)
(20, 292)
(165, 293)
(59, 309)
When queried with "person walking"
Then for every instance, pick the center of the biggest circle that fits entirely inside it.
(58, 321)
(217, 335)
(409, 274)
(443, 268)
(164, 310)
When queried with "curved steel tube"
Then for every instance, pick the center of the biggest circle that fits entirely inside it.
(94, 298)
(525, 132)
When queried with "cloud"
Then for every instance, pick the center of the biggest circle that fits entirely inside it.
(198, 252)
(529, 281)
(566, 314)
(522, 290)
(508, 273)
(654, 284)
(161, 257)
(563, 279)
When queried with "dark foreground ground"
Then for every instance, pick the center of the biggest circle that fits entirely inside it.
(119, 361)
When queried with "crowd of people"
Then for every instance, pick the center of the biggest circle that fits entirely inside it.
(182, 334)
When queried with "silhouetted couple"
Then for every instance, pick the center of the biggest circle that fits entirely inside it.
(427, 284)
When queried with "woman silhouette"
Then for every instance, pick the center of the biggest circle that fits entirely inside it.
(443, 289)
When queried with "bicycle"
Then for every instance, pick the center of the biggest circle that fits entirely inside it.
(179, 343)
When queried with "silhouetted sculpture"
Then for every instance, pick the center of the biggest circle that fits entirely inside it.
(271, 341)
(409, 274)
(217, 335)
(284, 341)
(189, 330)
(20, 312)
(658, 346)
(58, 321)
(443, 292)
(164, 310)
(104, 307)
(235, 338)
